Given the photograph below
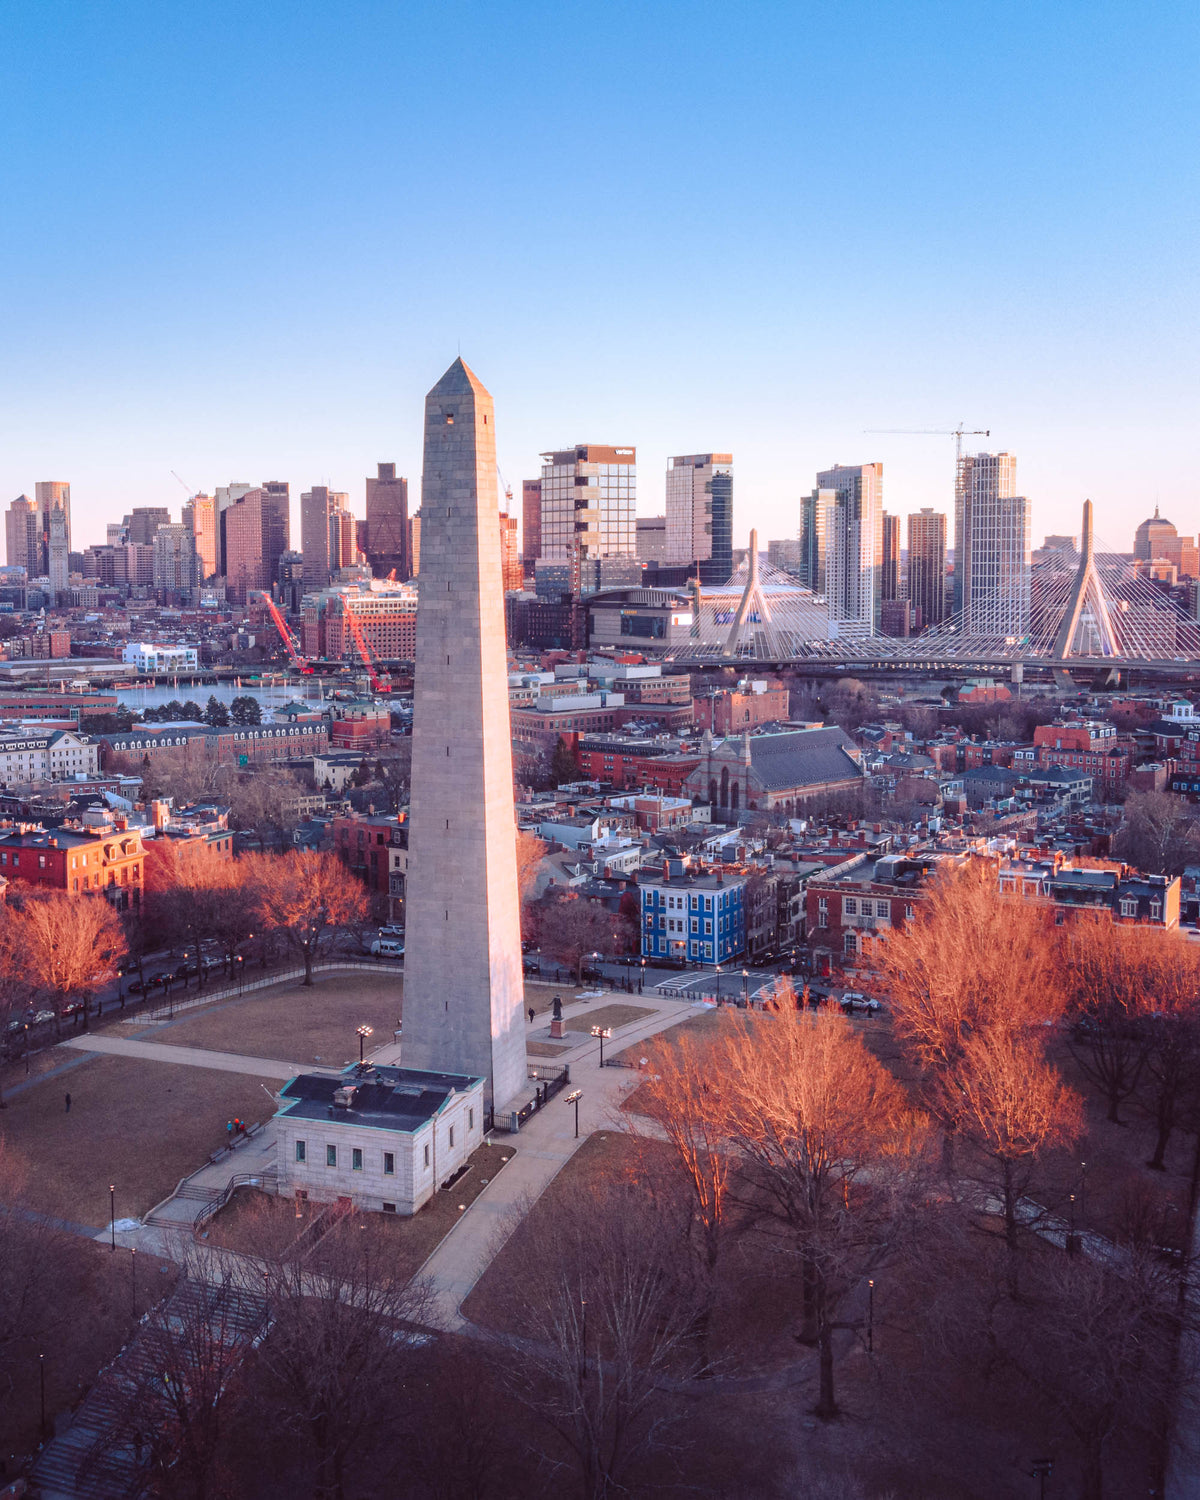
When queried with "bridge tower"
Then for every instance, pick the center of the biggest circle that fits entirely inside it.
(1085, 621)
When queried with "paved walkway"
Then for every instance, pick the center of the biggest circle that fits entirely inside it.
(545, 1144)
(190, 1057)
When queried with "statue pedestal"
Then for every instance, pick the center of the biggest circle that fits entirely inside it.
(556, 1030)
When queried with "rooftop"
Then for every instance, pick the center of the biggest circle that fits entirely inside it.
(382, 1097)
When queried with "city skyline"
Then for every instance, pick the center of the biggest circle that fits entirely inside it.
(215, 247)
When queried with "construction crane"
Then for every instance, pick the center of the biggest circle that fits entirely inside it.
(957, 433)
(379, 684)
(507, 488)
(185, 484)
(290, 643)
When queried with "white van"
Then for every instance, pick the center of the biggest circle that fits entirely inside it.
(387, 948)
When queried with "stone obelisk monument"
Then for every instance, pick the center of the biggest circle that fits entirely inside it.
(463, 985)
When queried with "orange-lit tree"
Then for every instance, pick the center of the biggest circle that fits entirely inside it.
(681, 1100)
(829, 1140)
(308, 898)
(969, 961)
(68, 947)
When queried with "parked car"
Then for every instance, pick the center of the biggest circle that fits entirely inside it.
(387, 948)
(855, 1000)
(392, 932)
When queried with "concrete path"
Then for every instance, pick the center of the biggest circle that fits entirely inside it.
(545, 1144)
(190, 1057)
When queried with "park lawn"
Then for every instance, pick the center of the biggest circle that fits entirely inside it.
(138, 1124)
(292, 1023)
(96, 1294)
(252, 1215)
(614, 1016)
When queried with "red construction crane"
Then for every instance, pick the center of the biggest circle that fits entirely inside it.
(378, 684)
(290, 643)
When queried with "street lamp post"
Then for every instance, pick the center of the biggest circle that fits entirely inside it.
(573, 1098)
(112, 1214)
(642, 978)
(42, 1385)
(602, 1032)
(746, 986)
(871, 1316)
(1042, 1470)
(363, 1033)
(133, 1281)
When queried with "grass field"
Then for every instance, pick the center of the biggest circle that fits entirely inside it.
(290, 1022)
(141, 1125)
(252, 1219)
(613, 1016)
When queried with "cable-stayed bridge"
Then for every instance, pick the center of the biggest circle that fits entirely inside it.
(1083, 609)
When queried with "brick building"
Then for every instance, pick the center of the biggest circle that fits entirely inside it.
(238, 745)
(631, 762)
(730, 711)
(1092, 747)
(109, 864)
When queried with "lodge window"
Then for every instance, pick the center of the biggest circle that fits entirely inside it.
(301, 1151)
(356, 1159)
(331, 1156)
(389, 1164)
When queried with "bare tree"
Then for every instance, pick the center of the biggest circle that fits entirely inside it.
(340, 1348)
(173, 1390)
(1093, 1340)
(570, 929)
(680, 1098)
(829, 1137)
(1011, 1107)
(308, 898)
(1159, 833)
(1111, 970)
(606, 1320)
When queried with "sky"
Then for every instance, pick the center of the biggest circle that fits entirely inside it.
(241, 241)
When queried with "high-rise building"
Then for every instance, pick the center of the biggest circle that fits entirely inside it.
(414, 542)
(317, 506)
(812, 539)
(22, 536)
(343, 540)
(51, 493)
(1148, 539)
(589, 497)
(254, 536)
(927, 565)
(981, 478)
(290, 580)
(200, 514)
(511, 572)
(531, 521)
(387, 524)
(463, 985)
(852, 520)
(58, 564)
(992, 550)
(652, 539)
(889, 574)
(1182, 552)
(175, 559)
(144, 521)
(700, 513)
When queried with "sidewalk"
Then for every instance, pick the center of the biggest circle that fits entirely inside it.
(191, 1057)
(544, 1145)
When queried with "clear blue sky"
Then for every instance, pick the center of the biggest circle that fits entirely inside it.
(241, 241)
